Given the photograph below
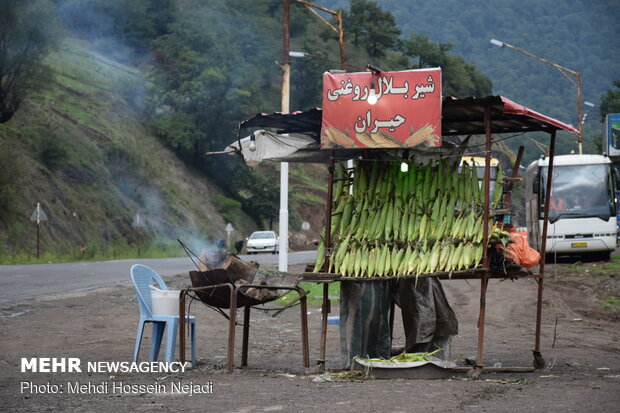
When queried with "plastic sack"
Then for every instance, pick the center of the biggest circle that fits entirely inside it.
(520, 252)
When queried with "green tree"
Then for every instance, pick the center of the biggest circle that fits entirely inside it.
(372, 27)
(610, 101)
(28, 30)
(427, 53)
(119, 25)
(460, 78)
(260, 193)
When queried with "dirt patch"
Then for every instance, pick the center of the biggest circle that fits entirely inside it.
(579, 343)
(585, 289)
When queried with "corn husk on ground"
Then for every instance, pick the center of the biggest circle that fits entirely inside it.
(389, 222)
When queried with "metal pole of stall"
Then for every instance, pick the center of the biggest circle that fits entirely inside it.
(484, 281)
(539, 362)
(325, 308)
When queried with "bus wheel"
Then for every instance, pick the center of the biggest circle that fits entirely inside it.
(597, 256)
(604, 256)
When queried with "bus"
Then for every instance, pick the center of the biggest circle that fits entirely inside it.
(582, 210)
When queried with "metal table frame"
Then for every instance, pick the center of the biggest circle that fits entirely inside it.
(232, 320)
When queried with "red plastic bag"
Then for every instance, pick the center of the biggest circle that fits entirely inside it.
(520, 252)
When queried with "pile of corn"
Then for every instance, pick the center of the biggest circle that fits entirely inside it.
(404, 357)
(386, 222)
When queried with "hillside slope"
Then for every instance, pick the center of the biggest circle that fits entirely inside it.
(80, 150)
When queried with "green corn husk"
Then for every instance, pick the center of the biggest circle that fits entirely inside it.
(423, 262)
(413, 262)
(396, 221)
(363, 180)
(475, 186)
(444, 255)
(497, 194)
(443, 207)
(342, 251)
(434, 259)
(347, 214)
(351, 262)
(455, 259)
(479, 254)
(364, 261)
(336, 218)
(320, 255)
(404, 224)
(345, 264)
(357, 265)
(372, 262)
(423, 225)
(434, 184)
(361, 225)
(339, 175)
(387, 269)
(435, 210)
(374, 176)
(381, 225)
(426, 186)
(441, 229)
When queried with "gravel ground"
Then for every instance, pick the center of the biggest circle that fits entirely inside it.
(580, 343)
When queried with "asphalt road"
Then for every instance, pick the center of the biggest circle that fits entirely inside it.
(22, 282)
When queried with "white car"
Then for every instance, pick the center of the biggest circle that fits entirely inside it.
(262, 241)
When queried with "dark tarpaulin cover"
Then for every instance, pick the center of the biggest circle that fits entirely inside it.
(364, 320)
(427, 317)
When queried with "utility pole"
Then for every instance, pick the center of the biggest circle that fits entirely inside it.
(286, 80)
(566, 72)
(340, 30)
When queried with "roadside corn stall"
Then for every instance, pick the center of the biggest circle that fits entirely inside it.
(408, 208)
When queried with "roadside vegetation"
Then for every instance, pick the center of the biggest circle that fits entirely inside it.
(315, 294)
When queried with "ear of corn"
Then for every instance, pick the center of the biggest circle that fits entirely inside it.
(320, 255)
(499, 185)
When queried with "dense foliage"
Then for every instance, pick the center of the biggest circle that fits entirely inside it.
(28, 30)
(610, 101)
(369, 25)
(121, 29)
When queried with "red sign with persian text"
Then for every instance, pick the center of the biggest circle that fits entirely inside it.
(386, 110)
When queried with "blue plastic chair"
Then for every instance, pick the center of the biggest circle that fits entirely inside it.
(143, 277)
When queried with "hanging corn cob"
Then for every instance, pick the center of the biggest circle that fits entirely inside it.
(389, 223)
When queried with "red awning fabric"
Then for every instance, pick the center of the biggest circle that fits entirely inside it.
(514, 108)
(466, 117)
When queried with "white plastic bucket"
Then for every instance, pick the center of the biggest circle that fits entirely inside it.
(165, 302)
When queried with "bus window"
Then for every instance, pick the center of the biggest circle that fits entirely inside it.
(579, 191)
